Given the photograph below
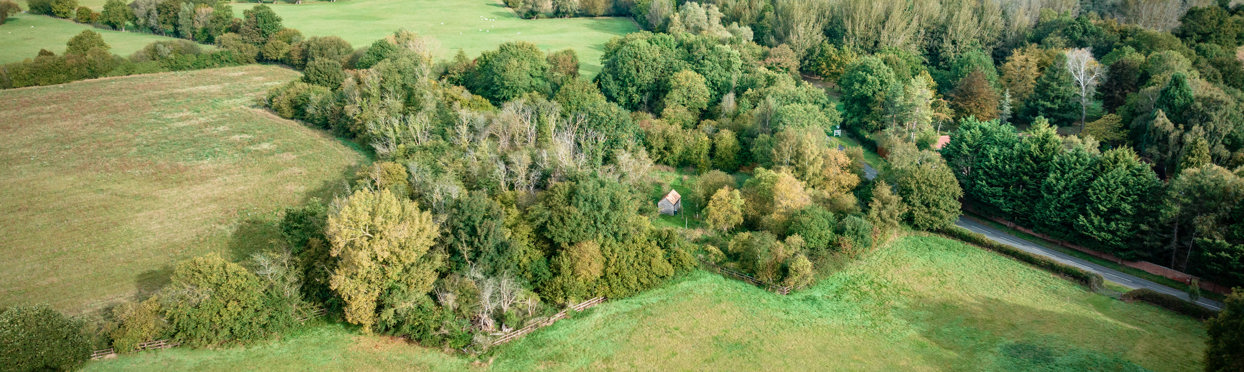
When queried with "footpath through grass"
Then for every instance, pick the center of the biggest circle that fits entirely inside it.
(22, 35)
(108, 183)
(919, 303)
(471, 25)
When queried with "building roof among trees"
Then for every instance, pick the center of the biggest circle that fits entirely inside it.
(673, 197)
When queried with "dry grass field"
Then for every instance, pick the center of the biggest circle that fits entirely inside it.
(108, 183)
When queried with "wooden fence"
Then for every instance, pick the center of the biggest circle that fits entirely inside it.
(732, 273)
(533, 326)
(142, 346)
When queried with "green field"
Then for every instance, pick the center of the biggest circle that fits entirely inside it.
(109, 182)
(471, 25)
(919, 303)
(23, 35)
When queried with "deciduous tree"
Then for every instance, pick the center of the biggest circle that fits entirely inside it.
(725, 209)
(927, 187)
(1225, 351)
(1087, 73)
(37, 338)
(382, 243)
(973, 96)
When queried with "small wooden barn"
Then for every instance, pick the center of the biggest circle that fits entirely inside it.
(671, 203)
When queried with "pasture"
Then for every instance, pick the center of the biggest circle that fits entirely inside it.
(109, 182)
(919, 303)
(471, 25)
(24, 34)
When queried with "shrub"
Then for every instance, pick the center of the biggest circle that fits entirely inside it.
(34, 338)
(275, 50)
(324, 72)
(84, 42)
(1091, 280)
(136, 323)
(1169, 302)
(302, 101)
(245, 52)
(327, 47)
(43, 7)
(82, 15)
(64, 8)
(161, 50)
(211, 301)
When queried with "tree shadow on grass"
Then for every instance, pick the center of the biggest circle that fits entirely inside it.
(999, 335)
(150, 281)
(254, 236)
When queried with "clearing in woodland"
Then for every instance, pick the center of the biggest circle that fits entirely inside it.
(919, 303)
(108, 183)
(471, 25)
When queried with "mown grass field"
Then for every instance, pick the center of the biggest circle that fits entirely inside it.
(471, 25)
(108, 183)
(917, 304)
(24, 34)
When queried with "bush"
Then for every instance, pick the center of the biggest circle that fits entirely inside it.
(82, 15)
(1169, 302)
(161, 50)
(64, 8)
(245, 52)
(136, 323)
(211, 301)
(34, 338)
(302, 101)
(326, 47)
(43, 7)
(324, 72)
(1091, 280)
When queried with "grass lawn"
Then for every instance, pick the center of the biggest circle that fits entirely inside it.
(24, 34)
(681, 182)
(108, 183)
(471, 25)
(919, 303)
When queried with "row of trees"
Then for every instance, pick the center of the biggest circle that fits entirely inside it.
(1110, 199)
(257, 36)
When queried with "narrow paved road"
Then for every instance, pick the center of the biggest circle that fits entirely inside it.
(1116, 276)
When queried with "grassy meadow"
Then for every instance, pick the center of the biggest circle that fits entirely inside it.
(917, 304)
(471, 25)
(24, 34)
(109, 182)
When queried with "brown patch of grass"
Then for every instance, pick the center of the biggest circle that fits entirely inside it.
(108, 183)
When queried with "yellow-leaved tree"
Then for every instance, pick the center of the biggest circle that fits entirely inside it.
(381, 242)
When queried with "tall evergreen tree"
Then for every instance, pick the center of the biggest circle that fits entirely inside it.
(1054, 96)
(1118, 199)
(1063, 193)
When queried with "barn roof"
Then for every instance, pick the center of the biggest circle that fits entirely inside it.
(673, 197)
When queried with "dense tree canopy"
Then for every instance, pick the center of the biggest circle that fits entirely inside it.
(382, 243)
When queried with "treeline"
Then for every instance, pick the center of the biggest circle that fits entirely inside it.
(1110, 199)
(256, 37)
(1158, 115)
